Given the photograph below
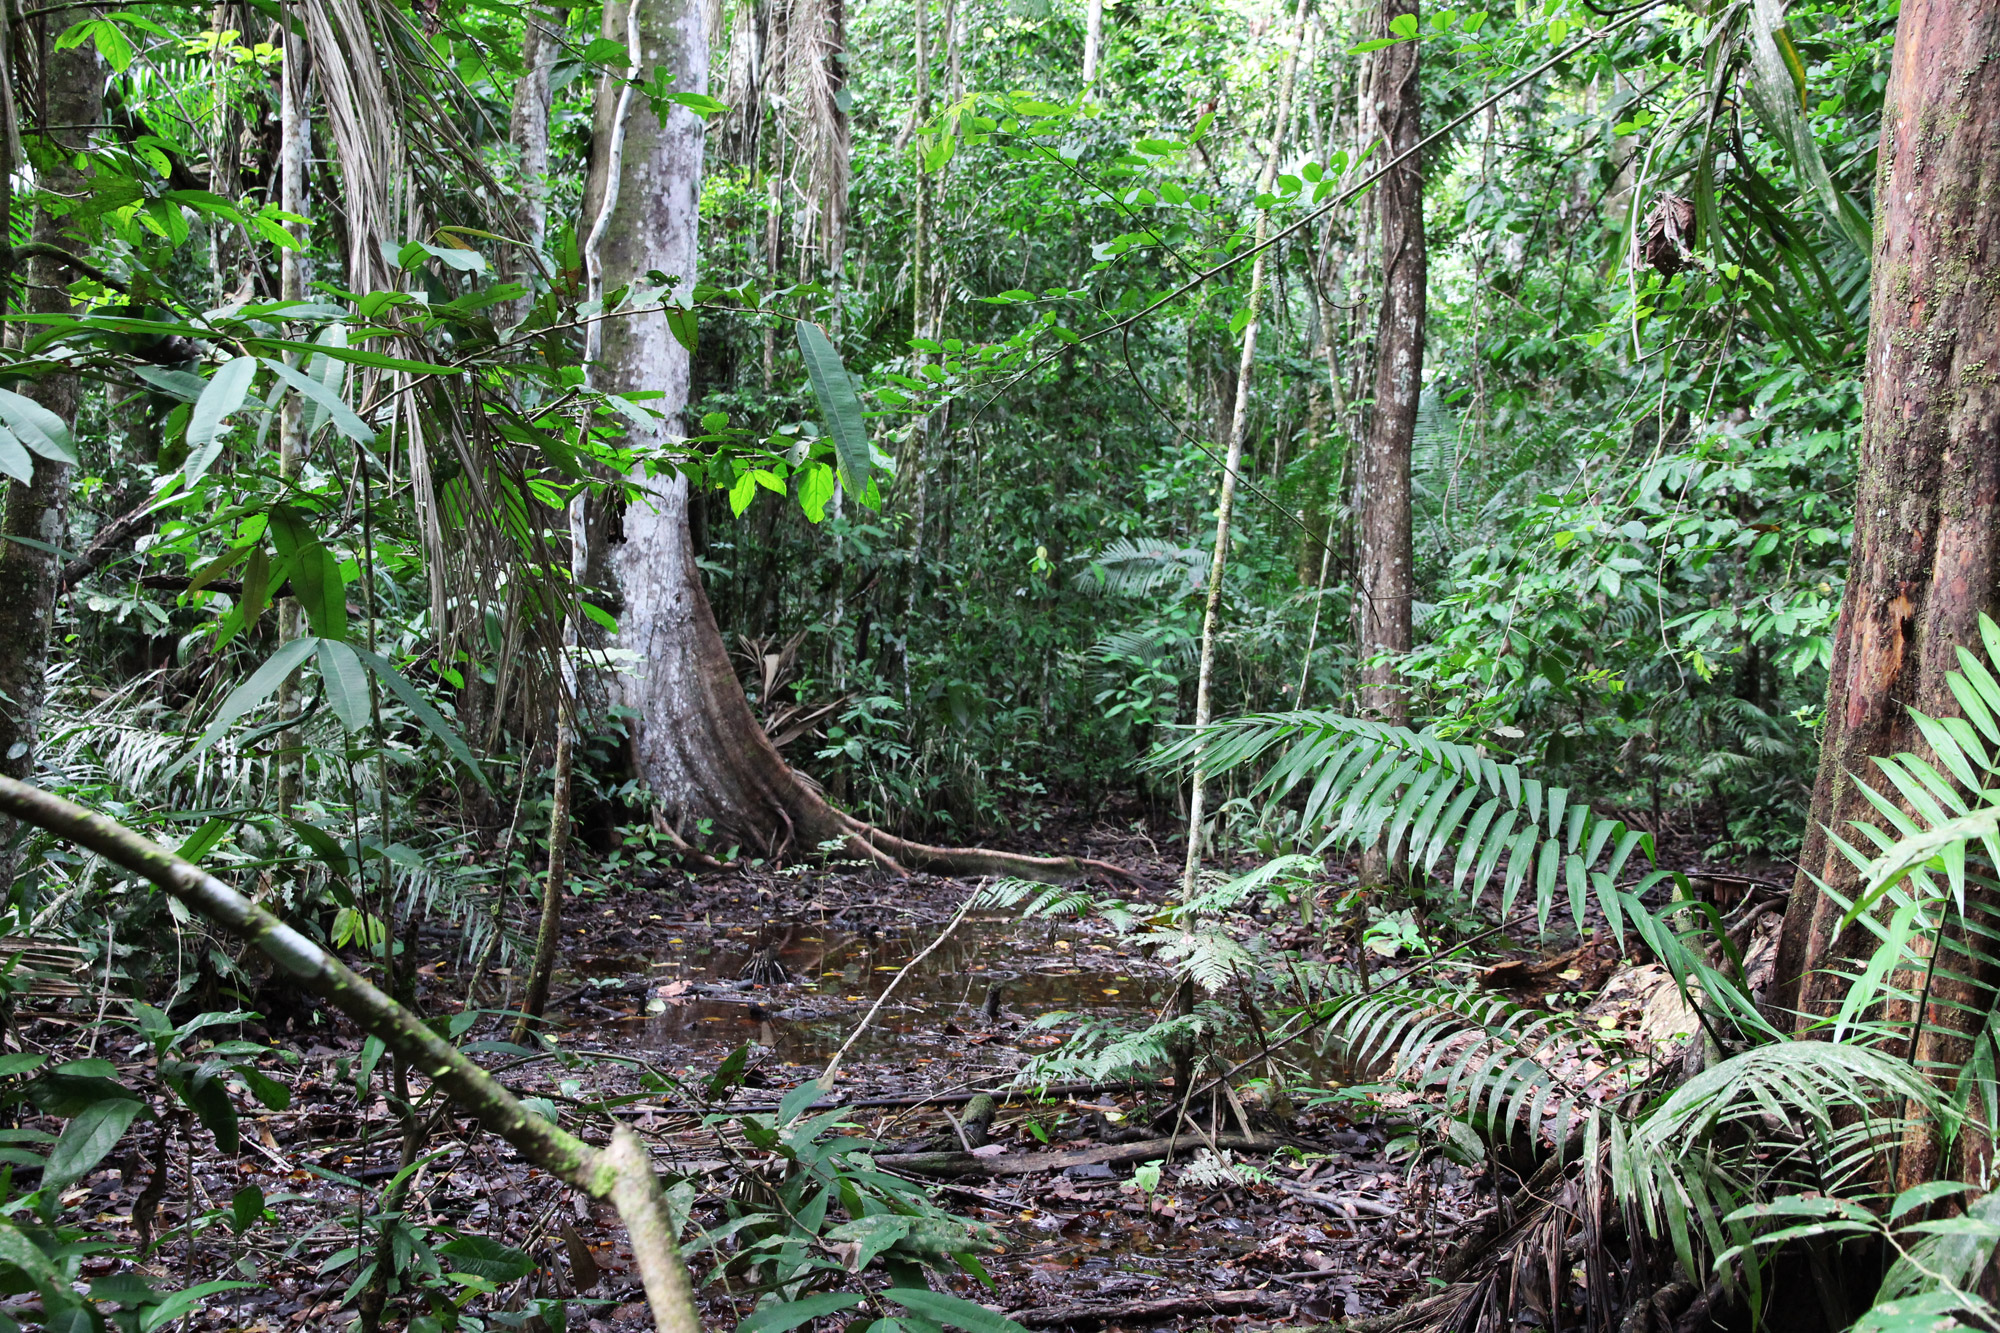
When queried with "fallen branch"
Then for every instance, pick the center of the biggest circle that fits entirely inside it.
(621, 1173)
(1139, 1312)
(1027, 1164)
(1345, 1205)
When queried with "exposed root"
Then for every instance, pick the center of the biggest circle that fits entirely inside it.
(959, 861)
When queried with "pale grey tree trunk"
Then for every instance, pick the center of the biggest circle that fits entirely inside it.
(1239, 418)
(695, 741)
(528, 132)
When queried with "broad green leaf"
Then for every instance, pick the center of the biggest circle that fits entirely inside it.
(789, 1315)
(482, 1256)
(263, 683)
(37, 428)
(840, 409)
(225, 393)
(346, 683)
(681, 323)
(182, 1303)
(321, 590)
(324, 845)
(952, 1310)
(14, 460)
(794, 1103)
(86, 1140)
(327, 400)
(24, 1254)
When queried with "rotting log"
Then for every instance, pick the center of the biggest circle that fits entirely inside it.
(621, 1173)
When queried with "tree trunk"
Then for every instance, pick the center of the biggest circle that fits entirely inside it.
(1093, 39)
(1926, 528)
(1239, 417)
(528, 131)
(1383, 483)
(694, 740)
(38, 511)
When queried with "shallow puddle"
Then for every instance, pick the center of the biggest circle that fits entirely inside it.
(800, 990)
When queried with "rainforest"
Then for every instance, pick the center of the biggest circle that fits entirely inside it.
(876, 666)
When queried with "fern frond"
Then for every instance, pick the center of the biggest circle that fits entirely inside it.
(1137, 566)
(1413, 793)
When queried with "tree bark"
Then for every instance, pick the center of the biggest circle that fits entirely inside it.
(1382, 504)
(528, 131)
(1093, 39)
(695, 741)
(37, 511)
(1927, 519)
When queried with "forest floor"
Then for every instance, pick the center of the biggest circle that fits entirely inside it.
(1318, 1211)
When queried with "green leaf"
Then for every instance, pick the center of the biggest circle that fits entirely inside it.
(952, 1310)
(173, 383)
(482, 1256)
(729, 1072)
(87, 1139)
(321, 590)
(344, 419)
(246, 1209)
(815, 484)
(263, 682)
(24, 1254)
(1404, 26)
(839, 408)
(432, 720)
(794, 1103)
(14, 460)
(203, 840)
(38, 428)
(225, 393)
(184, 1302)
(681, 323)
(324, 845)
(346, 683)
(780, 1318)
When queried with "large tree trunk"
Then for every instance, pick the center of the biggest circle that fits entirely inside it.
(38, 511)
(1383, 480)
(695, 741)
(1926, 529)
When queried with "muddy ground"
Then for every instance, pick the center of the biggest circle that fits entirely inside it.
(661, 981)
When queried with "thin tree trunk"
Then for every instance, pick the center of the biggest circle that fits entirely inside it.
(37, 511)
(1093, 39)
(1927, 519)
(548, 936)
(292, 133)
(1233, 457)
(1383, 482)
(920, 327)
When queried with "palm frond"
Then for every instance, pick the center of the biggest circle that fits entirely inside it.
(1412, 793)
(1138, 566)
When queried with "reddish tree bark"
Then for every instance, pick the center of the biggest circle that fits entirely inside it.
(1926, 530)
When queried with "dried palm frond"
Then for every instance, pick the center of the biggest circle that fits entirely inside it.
(1669, 235)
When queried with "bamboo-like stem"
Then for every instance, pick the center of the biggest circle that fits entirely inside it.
(549, 935)
(1225, 504)
(621, 1173)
